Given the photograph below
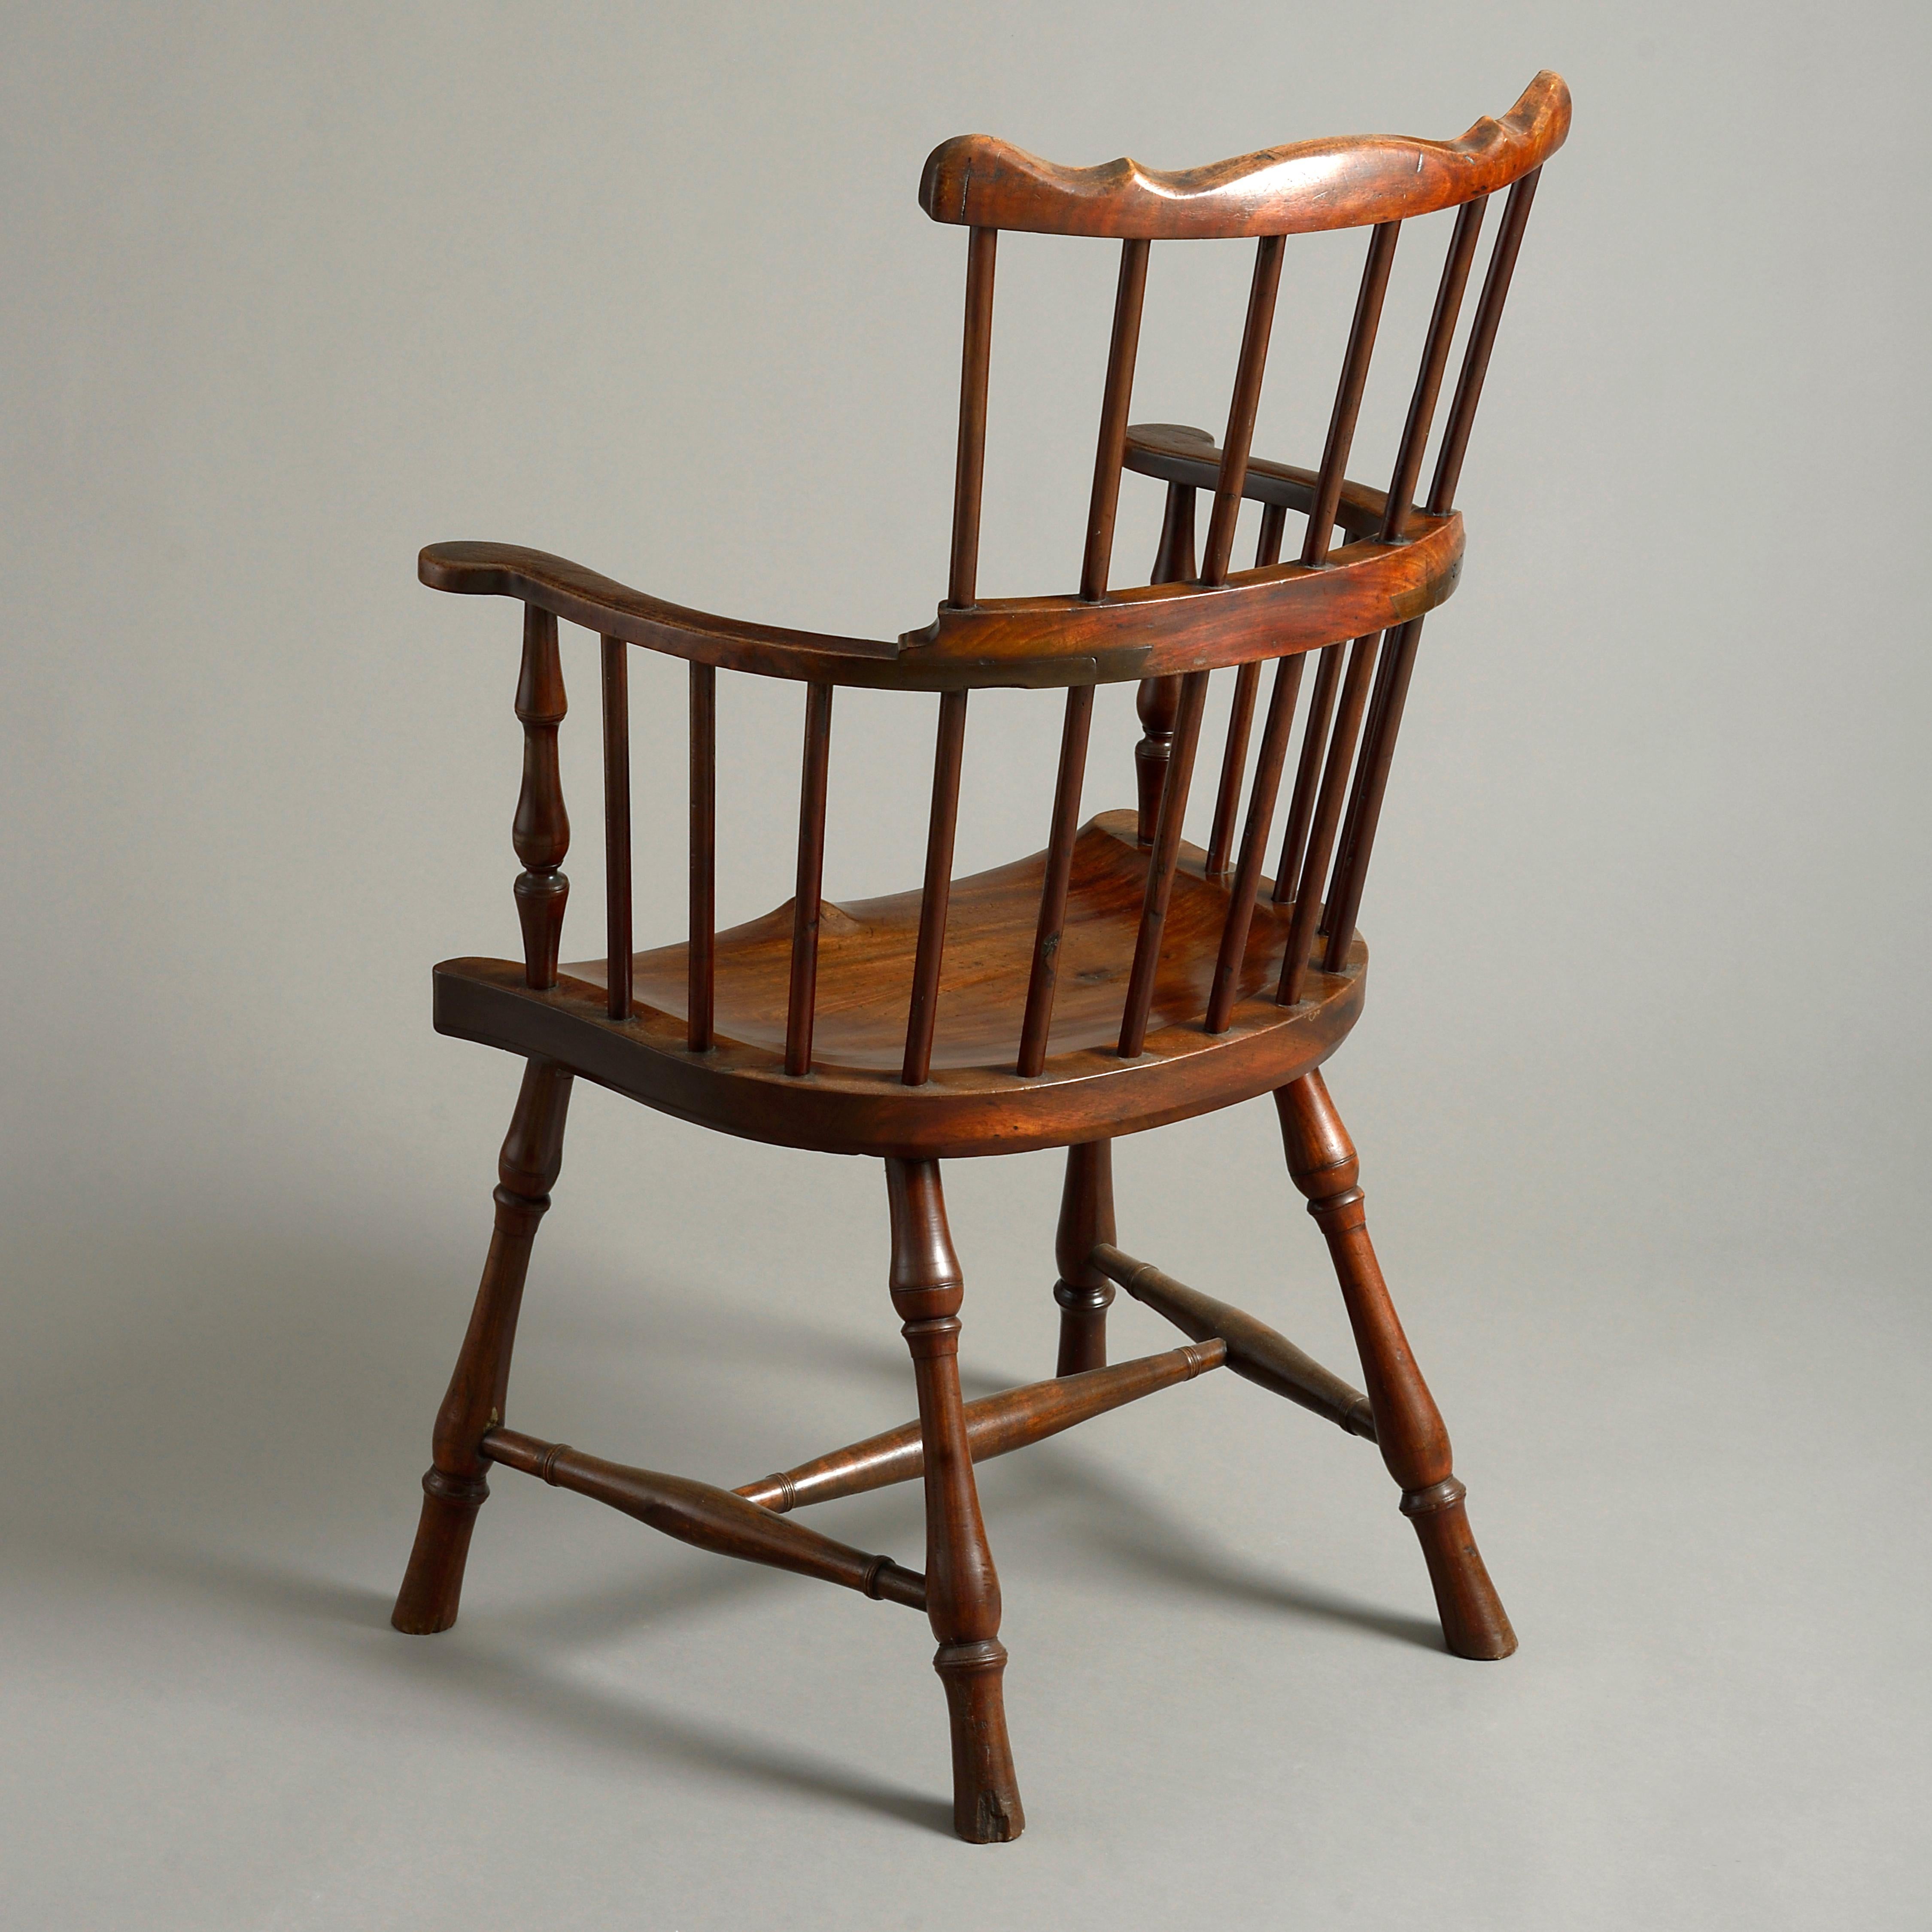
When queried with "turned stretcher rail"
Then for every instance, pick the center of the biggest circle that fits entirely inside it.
(995, 1425)
(710, 1519)
(1255, 1351)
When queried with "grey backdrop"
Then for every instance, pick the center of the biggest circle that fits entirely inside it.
(288, 292)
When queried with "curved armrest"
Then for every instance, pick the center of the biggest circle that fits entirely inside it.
(1176, 453)
(614, 610)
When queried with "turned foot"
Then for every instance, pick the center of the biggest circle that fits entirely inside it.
(1409, 1428)
(455, 1486)
(962, 1589)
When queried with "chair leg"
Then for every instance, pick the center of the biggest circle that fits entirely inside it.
(962, 1588)
(1086, 1216)
(1408, 1426)
(454, 1487)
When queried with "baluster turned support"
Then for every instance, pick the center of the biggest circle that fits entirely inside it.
(962, 1589)
(540, 831)
(1158, 700)
(454, 1488)
(1408, 1426)
(1084, 1293)
(617, 826)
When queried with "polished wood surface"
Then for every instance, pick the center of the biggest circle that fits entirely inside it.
(1408, 1426)
(1253, 1350)
(1056, 880)
(973, 1103)
(541, 830)
(708, 1518)
(962, 1588)
(1116, 980)
(995, 1425)
(700, 978)
(1023, 642)
(1312, 185)
(617, 939)
(455, 1486)
(1084, 1293)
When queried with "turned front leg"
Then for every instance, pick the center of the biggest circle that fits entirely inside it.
(1084, 1295)
(454, 1487)
(1408, 1426)
(962, 1590)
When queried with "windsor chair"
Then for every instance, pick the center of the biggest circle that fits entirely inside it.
(1118, 980)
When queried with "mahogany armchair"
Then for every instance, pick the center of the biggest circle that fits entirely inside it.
(1118, 980)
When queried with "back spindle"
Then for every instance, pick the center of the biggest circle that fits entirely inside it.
(1345, 886)
(1233, 478)
(1306, 841)
(1345, 895)
(1241, 714)
(1139, 1000)
(969, 474)
(1254, 842)
(804, 990)
(1096, 563)
(541, 830)
(937, 892)
(1328, 816)
(1045, 975)
(617, 826)
(1307, 772)
(1115, 402)
(1349, 392)
(701, 949)
(1229, 485)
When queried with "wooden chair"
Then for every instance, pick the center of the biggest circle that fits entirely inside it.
(1119, 979)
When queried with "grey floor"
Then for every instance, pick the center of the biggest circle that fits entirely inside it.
(1700, 1496)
